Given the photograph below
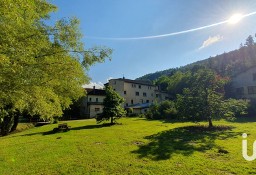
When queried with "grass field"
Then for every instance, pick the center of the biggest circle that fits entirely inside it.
(136, 146)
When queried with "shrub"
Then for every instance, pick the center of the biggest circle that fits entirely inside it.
(163, 110)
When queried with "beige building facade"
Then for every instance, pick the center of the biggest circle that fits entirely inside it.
(244, 84)
(92, 104)
(137, 93)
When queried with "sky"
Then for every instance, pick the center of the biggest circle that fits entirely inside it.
(122, 25)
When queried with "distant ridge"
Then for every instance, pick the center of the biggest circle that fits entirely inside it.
(226, 64)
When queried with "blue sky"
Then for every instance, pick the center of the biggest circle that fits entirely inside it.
(139, 18)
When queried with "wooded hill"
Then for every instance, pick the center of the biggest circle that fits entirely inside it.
(226, 64)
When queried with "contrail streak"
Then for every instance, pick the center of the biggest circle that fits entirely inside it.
(168, 34)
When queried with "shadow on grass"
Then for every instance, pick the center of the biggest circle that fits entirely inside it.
(183, 140)
(92, 126)
(75, 128)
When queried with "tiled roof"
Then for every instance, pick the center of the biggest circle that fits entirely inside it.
(99, 92)
(136, 81)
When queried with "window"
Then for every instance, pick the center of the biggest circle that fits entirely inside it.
(114, 89)
(97, 99)
(152, 94)
(240, 91)
(126, 104)
(144, 94)
(139, 86)
(251, 89)
(254, 76)
(137, 93)
(147, 101)
(124, 92)
(157, 95)
(90, 99)
(97, 109)
(149, 87)
(134, 85)
(132, 102)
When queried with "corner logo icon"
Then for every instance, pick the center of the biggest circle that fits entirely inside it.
(245, 148)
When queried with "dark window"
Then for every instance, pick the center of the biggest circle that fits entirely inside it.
(97, 109)
(132, 102)
(157, 95)
(144, 94)
(139, 86)
(240, 91)
(147, 101)
(90, 99)
(134, 85)
(137, 93)
(114, 89)
(97, 99)
(124, 92)
(152, 94)
(251, 89)
(254, 76)
(126, 104)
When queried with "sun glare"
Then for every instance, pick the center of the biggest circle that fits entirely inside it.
(235, 18)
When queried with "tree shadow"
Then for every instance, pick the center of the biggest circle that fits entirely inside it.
(183, 140)
(75, 128)
(92, 126)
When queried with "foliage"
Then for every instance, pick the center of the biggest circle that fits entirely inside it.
(163, 110)
(41, 71)
(113, 108)
(233, 107)
(204, 99)
(226, 64)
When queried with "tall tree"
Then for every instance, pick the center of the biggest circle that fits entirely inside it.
(249, 41)
(42, 66)
(205, 98)
(112, 106)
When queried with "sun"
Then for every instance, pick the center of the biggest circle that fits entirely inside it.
(235, 18)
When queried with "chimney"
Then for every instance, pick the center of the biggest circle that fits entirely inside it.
(93, 87)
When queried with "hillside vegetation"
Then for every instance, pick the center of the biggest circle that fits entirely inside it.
(136, 146)
(226, 64)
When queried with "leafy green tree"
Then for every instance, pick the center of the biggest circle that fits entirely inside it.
(163, 82)
(178, 82)
(42, 66)
(112, 106)
(163, 110)
(205, 98)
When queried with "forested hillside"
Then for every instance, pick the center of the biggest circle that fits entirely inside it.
(226, 64)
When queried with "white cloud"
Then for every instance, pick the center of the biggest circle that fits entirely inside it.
(211, 40)
(109, 78)
(98, 85)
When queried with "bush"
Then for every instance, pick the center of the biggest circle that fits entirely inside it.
(163, 110)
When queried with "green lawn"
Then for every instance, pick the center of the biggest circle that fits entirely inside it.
(136, 146)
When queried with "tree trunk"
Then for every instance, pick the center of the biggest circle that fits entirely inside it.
(112, 120)
(210, 122)
(6, 125)
(15, 122)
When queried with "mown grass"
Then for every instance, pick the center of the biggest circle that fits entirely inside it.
(136, 146)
